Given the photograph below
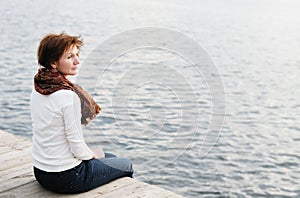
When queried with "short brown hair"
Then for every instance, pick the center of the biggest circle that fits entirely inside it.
(52, 47)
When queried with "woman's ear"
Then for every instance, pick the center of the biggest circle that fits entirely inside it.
(54, 65)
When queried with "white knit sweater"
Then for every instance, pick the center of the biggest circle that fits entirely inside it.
(58, 142)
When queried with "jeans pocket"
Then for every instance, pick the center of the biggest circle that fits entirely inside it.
(78, 183)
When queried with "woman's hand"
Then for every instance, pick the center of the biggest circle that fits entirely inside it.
(98, 153)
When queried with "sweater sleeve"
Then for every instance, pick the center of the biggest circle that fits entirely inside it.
(73, 130)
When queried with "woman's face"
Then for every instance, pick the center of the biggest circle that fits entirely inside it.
(68, 62)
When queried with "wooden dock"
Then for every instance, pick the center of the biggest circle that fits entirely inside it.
(17, 179)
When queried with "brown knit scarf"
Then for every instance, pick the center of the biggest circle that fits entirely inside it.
(47, 82)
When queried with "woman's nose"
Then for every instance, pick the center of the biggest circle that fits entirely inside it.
(76, 61)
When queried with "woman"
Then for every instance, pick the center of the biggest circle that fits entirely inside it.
(63, 163)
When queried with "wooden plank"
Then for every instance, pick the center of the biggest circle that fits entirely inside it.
(153, 191)
(15, 153)
(17, 179)
(15, 171)
(5, 134)
(6, 164)
(139, 189)
(33, 189)
(24, 190)
(125, 191)
(124, 187)
(7, 138)
(112, 186)
(14, 146)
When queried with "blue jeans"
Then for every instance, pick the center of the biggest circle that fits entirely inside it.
(88, 175)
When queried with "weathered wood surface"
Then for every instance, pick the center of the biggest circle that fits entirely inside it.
(17, 180)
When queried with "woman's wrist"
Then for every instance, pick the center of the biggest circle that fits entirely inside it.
(98, 153)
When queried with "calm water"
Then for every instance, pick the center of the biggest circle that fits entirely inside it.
(161, 122)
